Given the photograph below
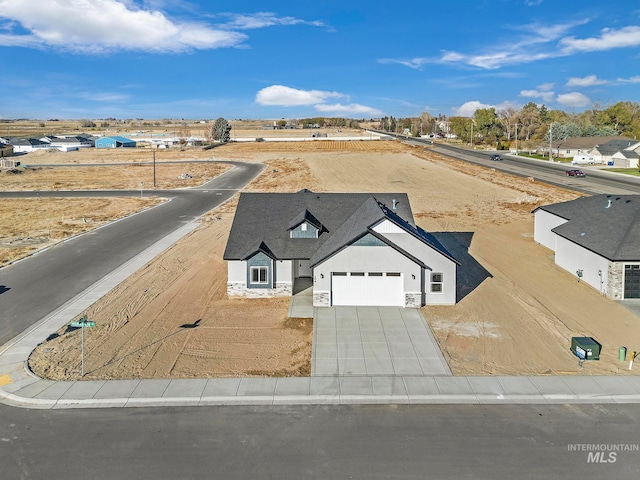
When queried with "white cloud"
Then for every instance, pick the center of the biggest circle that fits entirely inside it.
(96, 26)
(546, 86)
(533, 3)
(415, 63)
(289, 97)
(266, 19)
(610, 39)
(588, 81)
(546, 96)
(635, 79)
(468, 109)
(280, 95)
(351, 108)
(573, 99)
(532, 43)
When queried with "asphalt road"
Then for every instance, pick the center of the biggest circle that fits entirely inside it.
(596, 182)
(321, 442)
(34, 287)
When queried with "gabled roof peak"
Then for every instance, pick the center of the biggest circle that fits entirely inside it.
(304, 216)
(260, 247)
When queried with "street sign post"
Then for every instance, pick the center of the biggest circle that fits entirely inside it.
(82, 323)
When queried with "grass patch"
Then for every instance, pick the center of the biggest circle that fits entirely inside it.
(634, 172)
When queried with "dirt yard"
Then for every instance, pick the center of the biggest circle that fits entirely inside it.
(173, 319)
(28, 225)
(108, 177)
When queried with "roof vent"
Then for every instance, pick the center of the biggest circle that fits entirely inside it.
(393, 204)
(608, 204)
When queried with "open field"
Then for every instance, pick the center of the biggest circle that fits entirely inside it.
(106, 177)
(517, 321)
(27, 225)
(170, 127)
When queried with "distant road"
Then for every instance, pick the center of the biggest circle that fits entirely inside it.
(34, 287)
(596, 182)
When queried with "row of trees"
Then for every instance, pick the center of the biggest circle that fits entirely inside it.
(327, 122)
(530, 125)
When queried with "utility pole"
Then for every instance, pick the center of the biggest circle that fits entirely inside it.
(472, 133)
(154, 167)
(550, 142)
(516, 138)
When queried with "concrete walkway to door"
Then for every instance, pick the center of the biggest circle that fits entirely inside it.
(374, 341)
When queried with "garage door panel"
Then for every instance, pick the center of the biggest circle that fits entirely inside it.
(339, 289)
(369, 289)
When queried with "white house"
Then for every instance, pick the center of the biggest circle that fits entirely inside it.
(26, 145)
(597, 240)
(621, 152)
(352, 248)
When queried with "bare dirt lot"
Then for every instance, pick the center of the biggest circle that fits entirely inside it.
(108, 177)
(27, 225)
(519, 320)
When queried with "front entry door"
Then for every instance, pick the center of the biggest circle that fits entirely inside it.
(304, 268)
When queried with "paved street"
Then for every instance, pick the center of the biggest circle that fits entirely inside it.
(47, 280)
(320, 442)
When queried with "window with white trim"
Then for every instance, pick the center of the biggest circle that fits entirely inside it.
(436, 282)
(259, 275)
(303, 227)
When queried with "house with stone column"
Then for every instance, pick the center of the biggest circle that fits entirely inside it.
(350, 248)
(597, 239)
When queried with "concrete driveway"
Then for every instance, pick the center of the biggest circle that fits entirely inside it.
(374, 341)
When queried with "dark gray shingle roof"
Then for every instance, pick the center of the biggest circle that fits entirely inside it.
(305, 216)
(608, 225)
(583, 143)
(266, 217)
(613, 146)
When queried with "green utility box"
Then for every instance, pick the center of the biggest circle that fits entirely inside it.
(585, 348)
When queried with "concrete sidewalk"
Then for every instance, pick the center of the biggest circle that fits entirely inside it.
(19, 387)
(46, 394)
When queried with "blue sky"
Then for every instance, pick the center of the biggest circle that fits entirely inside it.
(283, 59)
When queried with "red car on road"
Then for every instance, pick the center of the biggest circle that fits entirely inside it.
(575, 173)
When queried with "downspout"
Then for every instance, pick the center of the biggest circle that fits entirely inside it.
(423, 288)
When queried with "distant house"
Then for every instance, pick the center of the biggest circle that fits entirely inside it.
(622, 152)
(350, 248)
(114, 142)
(595, 239)
(65, 144)
(6, 150)
(572, 146)
(26, 145)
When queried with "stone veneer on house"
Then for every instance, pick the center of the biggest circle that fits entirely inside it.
(412, 300)
(321, 299)
(616, 280)
(239, 289)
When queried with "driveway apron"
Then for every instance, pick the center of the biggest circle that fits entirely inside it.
(374, 341)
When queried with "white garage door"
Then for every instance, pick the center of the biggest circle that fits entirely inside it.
(378, 289)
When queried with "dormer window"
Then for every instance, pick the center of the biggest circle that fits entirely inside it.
(304, 225)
